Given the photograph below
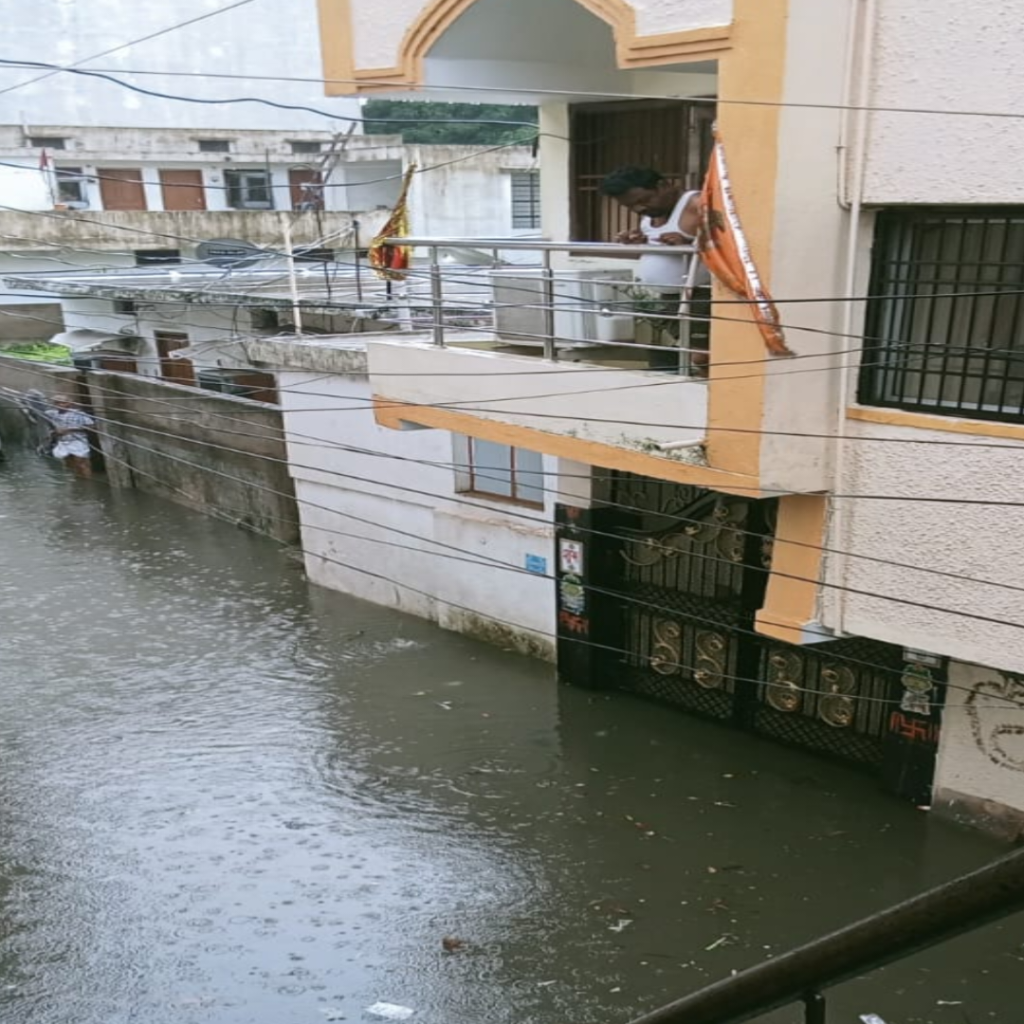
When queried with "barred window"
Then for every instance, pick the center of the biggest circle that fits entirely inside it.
(945, 326)
(525, 199)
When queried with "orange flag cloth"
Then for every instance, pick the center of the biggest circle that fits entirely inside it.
(392, 261)
(724, 249)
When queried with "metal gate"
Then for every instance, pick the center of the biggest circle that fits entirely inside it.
(673, 578)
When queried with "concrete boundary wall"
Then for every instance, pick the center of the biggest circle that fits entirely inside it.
(218, 454)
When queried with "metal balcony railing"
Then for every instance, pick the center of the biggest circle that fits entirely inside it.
(572, 306)
(802, 975)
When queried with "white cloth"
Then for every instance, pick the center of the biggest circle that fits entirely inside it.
(71, 445)
(668, 272)
(75, 444)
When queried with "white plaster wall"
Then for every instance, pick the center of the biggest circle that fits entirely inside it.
(559, 398)
(981, 541)
(277, 38)
(656, 16)
(465, 193)
(24, 188)
(981, 751)
(377, 39)
(405, 495)
(202, 324)
(946, 55)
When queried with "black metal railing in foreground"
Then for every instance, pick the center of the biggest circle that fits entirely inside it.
(802, 975)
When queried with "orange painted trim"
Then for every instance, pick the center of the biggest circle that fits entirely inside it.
(791, 600)
(631, 50)
(392, 414)
(337, 57)
(924, 421)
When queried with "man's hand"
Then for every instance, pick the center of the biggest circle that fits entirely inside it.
(634, 237)
(674, 238)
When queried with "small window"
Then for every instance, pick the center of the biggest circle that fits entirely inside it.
(71, 185)
(303, 147)
(945, 327)
(499, 471)
(248, 189)
(128, 306)
(525, 199)
(156, 257)
(48, 142)
(214, 145)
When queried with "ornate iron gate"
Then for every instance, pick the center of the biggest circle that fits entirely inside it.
(671, 582)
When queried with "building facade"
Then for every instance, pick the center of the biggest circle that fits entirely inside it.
(210, 131)
(832, 562)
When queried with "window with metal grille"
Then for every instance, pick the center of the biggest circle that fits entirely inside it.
(248, 190)
(525, 199)
(214, 145)
(301, 146)
(945, 326)
(71, 186)
(498, 471)
(671, 136)
(48, 142)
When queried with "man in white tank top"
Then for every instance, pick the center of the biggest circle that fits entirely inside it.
(669, 216)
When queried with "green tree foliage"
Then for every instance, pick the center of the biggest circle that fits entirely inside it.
(450, 124)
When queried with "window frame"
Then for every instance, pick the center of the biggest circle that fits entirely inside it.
(214, 145)
(305, 147)
(517, 178)
(470, 482)
(75, 179)
(233, 190)
(901, 265)
(48, 141)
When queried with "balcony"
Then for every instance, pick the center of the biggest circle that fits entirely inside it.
(565, 345)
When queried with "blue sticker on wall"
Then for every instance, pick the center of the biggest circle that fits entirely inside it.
(537, 564)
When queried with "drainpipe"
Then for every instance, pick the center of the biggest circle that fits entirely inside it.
(857, 156)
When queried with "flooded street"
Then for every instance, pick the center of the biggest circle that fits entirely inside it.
(227, 797)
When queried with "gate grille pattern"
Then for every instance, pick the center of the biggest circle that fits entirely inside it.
(689, 575)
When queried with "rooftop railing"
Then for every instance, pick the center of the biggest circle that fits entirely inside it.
(558, 309)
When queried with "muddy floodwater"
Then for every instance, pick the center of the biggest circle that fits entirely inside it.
(228, 797)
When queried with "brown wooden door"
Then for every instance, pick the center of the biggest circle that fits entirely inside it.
(177, 371)
(182, 190)
(119, 364)
(305, 188)
(261, 387)
(121, 188)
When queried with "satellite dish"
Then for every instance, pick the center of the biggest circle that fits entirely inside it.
(230, 253)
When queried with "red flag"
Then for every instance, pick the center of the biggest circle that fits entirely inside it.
(44, 160)
(723, 247)
(391, 261)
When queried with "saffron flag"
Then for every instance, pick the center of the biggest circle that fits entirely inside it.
(392, 261)
(723, 247)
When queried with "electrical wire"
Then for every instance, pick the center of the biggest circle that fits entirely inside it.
(59, 68)
(575, 93)
(276, 104)
(766, 683)
(619, 537)
(459, 406)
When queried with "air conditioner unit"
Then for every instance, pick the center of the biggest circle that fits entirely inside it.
(584, 303)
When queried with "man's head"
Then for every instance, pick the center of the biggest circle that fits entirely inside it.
(63, 402)
(641, 189)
